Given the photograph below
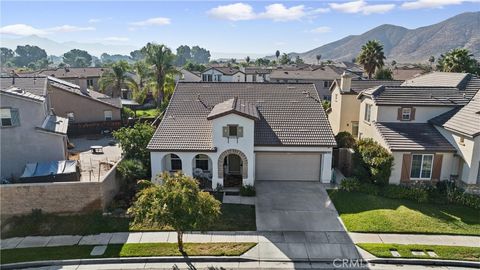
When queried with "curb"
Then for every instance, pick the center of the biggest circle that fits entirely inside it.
(177, 259)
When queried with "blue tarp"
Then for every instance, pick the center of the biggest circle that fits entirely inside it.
(49, 168)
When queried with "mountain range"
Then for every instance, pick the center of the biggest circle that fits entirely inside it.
(407, 45)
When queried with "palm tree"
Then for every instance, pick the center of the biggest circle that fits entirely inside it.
(318, 56)
(371, 57)
(116, 78)
(458, 60)
(277, 54)
(143, 71)
(161, 58)
(247, 60)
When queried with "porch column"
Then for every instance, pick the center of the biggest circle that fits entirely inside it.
(326, 167)
(215, 179)
(156, 164)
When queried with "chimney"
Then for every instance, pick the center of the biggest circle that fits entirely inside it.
(345, 82)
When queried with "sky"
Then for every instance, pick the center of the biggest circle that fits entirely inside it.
(231, 27)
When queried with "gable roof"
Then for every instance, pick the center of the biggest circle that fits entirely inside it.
(16, 92)
(68, 72)
(34, 85)
(234, 105)
(321, 73)
(257, 70)
(359, 85)
(224, 70)
(438, 79)
(289, 115)
(413, 137)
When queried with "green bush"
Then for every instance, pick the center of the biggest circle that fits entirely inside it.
(127, 112)
(345, 140)
(415, 193)
(373, 161)
(134, 141)
(459, 196)
(132, 169)
(369, 188)
(247, 191)
(350, 184)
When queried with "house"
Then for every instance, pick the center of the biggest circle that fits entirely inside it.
(223, 74)
(345, 107)
(185, 75)
(68, 99)
(403, 118)
(406, 72)
(321, 76)
(30, 131)
(257, 74)
(234, 134)
(85, 78)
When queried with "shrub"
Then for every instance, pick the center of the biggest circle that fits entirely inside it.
(132, 169)
(373, 160)
(350, 184)
(134, 141)
(418, 194)
(247, 191)
(127, 112)
(345, 140)
(369, 188)
(459, 196)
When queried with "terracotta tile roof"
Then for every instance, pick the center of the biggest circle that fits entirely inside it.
(360, 85)
(234, 105)
(413, 137)
(289, 115)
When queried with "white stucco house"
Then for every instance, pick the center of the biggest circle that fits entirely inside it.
(223, 74)
(235, 134)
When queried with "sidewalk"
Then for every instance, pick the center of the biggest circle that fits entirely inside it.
(420, 239)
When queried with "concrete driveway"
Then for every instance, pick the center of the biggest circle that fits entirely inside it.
(294, 206)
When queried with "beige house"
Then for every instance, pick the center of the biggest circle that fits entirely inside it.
(345, 107)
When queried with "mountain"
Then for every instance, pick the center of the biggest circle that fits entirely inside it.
(59, 48)
(407, 45)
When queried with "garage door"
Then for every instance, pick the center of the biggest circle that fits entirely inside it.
(287, 166)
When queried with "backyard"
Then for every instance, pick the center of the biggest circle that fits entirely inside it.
(368, 213)
(234, 217)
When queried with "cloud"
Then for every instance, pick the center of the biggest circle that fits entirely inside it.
(233, 12)
(94, 20)
(116, 39)
(152, 21)
(321, 30)
(28, 30)
(275, 12)
(418, 4)
(361, 6)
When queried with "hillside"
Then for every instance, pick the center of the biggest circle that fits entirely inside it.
(407, 45)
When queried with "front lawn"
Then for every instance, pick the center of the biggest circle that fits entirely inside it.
(361, 212)
(126, 250)
(443, 252)
(147, 113)
(234, 217)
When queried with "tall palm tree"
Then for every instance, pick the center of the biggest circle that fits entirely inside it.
(458, 60)
(371, 57)
(277, 54)
(247, 60)
(161, 58)
(143, 71)
(116, 78)
(318, 56)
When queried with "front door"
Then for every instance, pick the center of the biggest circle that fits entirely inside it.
(234, 164)
(232, 171)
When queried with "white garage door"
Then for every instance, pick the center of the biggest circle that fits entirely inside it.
(287, 166)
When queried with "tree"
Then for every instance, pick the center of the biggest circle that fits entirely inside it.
(143, 72)
(345, 140)
(277, 54)
(384, 74)
(161, 58)
(6, 55)
(318, 56)
(247, 60)
(116, 78)
(27, 54)
(262, 62)
(200, 55)
(134, 142)
(77, 58)
(373, 162)
(178, 203)
(458, 60)
(194, 67)
(136, 55)
(285, 60)
(394, 64)
(431, 59)
(183, 55)
(299, 60)
(371, 57)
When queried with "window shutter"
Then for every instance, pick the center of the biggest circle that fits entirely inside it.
(240, 132)
(437, 166)
(225, 131)
(15, 117)
(399, 114)
(406, 164)
(412, 114)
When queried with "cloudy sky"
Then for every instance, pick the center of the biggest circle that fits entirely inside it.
(259, 27)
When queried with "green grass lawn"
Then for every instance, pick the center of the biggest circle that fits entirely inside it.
(126, 250)
(367, 213)
(443, 252)
(148, 113)
(235, 217)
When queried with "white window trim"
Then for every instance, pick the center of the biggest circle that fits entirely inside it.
(368, 111)
(11, 120)
(105, 115)
(409, 110)
(421, 167)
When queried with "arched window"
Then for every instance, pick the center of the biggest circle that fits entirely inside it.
(175, 163)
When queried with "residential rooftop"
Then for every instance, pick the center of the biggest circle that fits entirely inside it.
(68, 72)
(320, 73)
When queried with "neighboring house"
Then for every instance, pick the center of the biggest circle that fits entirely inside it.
(85, 78)
(351, 67)
(223, 74)
(30, 131)
(406, 73)
(69, 100)
(398, 118)
(184, 75)
(345, 107)
(321, 76)
(236, 133)
(257, 74)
